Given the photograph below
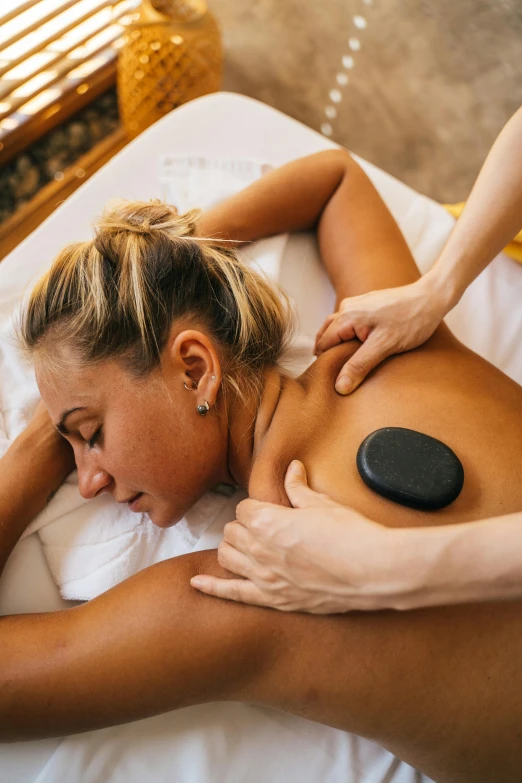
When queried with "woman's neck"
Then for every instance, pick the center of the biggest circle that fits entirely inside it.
(248, 425)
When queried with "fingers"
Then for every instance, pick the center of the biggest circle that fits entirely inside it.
(259, 516)
(339, 330)
(296, 486)
(231, 589)
(295, 481)
(232, 560)
(238, 536)
(368, 356)
(299, 493)
(256, 514)
(323, 329)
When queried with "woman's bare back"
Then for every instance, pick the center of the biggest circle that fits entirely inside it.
(441, 389)
(427, 683)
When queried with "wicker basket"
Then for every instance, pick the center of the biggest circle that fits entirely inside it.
(171, 54)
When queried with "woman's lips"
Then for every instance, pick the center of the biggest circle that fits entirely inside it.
(133, 504)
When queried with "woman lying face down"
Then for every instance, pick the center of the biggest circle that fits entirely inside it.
(119, 326)
(133, 335)
(156, 353)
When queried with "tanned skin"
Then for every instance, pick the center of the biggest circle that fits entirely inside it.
(441, 688)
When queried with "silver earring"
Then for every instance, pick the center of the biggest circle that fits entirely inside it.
(202, 409)
(213, 377)
(194, 385)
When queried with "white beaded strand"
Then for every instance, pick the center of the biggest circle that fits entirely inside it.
(342, 78)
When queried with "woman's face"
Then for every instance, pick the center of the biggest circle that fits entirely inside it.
(145, 436)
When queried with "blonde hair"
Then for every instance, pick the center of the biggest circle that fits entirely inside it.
(117, 295)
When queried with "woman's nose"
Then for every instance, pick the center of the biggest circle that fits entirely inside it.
(92, 481)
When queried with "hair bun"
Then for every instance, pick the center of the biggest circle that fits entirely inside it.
(146, 217)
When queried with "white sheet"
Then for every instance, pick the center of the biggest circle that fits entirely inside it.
(230, 742)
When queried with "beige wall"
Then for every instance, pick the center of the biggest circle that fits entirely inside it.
(431, 86)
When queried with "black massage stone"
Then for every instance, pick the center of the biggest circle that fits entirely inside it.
(410, 468)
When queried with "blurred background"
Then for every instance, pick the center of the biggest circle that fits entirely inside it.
(420, 88)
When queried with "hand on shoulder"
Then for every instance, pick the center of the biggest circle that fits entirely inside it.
(389, 321)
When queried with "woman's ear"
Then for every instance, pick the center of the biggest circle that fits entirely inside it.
(193, 354)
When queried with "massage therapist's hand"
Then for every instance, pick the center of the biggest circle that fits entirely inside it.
(386, 322)
(320, 556)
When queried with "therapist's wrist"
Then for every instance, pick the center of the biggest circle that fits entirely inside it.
(392, 568)
(410, 574)
(434, 566)
(442, 289)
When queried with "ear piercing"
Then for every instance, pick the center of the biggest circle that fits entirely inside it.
(194, 384)
(202, 409)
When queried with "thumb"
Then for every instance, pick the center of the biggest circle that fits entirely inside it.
(299, 493)
(368, 356)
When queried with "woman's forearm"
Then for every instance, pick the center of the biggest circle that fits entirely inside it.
(148, 645)
(31, 471)
(476, 561)
(491, 217)
(287, 199)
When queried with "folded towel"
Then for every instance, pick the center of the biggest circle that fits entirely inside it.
(513, 249)
(92, 545)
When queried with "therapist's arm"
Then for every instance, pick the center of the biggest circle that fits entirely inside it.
(399, 319)
(475, 561)
(491, 218)
(323, 557)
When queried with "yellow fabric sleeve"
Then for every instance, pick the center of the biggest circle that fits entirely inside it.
(513, 250)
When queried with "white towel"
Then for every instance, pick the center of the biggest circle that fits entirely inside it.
(92, 545)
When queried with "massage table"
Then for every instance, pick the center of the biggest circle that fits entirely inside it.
(233, 742)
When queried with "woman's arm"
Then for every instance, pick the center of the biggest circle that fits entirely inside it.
(31, 471)
(289, 198)
(149, 645)
(361, 245)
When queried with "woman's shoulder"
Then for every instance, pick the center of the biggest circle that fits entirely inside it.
(305, 418)
(441, 389)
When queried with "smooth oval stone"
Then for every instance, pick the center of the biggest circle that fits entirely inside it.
(410, 468)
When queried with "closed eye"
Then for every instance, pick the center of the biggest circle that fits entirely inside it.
(92, 442)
